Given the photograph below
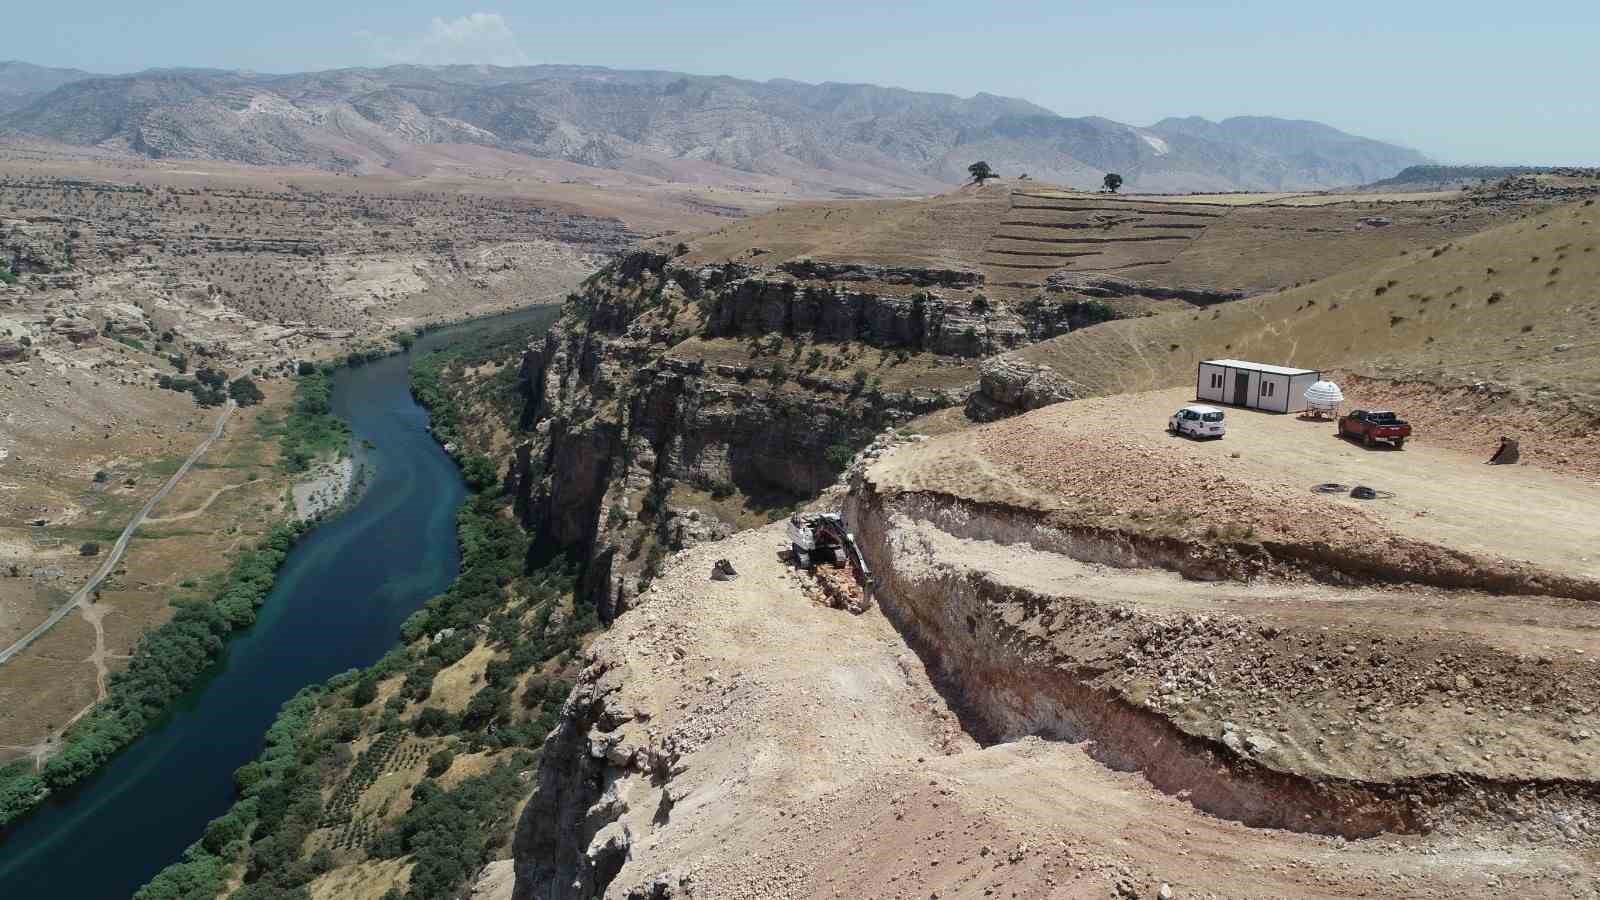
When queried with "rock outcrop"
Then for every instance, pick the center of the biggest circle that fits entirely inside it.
(1091, 284)
(75, 329)
(921, 277)
(1009, 387)
(571, 841)
(632, 417)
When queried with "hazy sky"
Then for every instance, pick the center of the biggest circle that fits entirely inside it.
(1463, 82)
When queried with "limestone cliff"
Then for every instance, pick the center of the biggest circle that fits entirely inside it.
(671, 404)
(676, 403)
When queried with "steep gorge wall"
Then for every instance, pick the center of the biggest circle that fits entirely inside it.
(625, 418)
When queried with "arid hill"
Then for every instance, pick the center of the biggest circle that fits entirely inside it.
(1512, 307)
(827, 139)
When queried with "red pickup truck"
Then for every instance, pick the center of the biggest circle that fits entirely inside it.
(1374, 425)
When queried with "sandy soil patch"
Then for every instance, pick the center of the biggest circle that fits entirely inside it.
(326, 488)
(363, 881)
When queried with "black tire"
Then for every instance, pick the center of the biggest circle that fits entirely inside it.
(1366, 440)
(1399, 443)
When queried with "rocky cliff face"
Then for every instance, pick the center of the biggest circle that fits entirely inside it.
(659, 419)
(673, 404)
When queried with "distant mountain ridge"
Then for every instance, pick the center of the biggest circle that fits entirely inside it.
(21, 83)
(840, 138)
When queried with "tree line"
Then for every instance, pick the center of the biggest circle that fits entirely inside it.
(166, 662)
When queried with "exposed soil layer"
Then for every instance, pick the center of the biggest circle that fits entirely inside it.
(1269, 654)
(735, 739)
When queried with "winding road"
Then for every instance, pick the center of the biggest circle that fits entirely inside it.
(121, 545)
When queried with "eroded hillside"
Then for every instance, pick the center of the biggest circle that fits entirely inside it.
(732, 374)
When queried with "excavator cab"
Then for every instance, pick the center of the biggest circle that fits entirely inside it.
(822, 539)
(818, 538)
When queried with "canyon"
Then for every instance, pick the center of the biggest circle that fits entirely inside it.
(1096, 659)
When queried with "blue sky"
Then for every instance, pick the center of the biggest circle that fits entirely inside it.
(1463, 82)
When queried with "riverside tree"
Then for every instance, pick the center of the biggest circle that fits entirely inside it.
(981, 172)
(1112, 182)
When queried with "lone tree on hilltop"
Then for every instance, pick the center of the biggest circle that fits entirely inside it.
(981, 172)
(1112, 182)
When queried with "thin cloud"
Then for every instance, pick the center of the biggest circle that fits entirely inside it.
(474, 39)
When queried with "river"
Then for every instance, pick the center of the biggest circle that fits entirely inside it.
(337, 604)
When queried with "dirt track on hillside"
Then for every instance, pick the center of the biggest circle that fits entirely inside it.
(818, 758)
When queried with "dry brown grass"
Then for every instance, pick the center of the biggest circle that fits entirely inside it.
(362, 881)
(1017, 233)
(53, 680)
(1492, 307)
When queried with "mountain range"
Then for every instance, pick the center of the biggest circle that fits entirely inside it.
(822, 138)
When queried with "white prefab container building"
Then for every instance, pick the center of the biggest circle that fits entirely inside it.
(1255, 385)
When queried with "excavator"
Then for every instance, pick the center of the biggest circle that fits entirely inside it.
(823, 538)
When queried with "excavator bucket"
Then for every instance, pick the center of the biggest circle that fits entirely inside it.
(1508, 453)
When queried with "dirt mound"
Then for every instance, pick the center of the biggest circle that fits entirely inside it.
(1270, 654)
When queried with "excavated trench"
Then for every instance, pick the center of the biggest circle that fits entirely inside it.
(1006, 680)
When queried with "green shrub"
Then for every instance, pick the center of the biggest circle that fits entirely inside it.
(311, 429)
(244, 391)
(1092, 312)
(839, 456)
(440, 762)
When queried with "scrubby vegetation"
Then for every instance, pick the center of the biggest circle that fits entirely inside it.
(269, 788)
(166, 662)
(311, 429)
(244, 391)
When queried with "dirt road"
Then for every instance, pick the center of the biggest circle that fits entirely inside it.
(121, 545)
(818, 760)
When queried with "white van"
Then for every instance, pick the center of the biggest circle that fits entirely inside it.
(1198, 421)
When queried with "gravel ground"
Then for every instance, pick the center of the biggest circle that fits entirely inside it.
(817, 760)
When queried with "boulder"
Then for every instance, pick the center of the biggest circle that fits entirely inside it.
(10, 349)
(1008, 386)
(75, 329)
(125, 318)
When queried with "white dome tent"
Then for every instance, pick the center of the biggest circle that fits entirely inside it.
(1322, 397)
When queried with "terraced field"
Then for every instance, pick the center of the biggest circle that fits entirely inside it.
(1048, 231)
(1017, 233)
